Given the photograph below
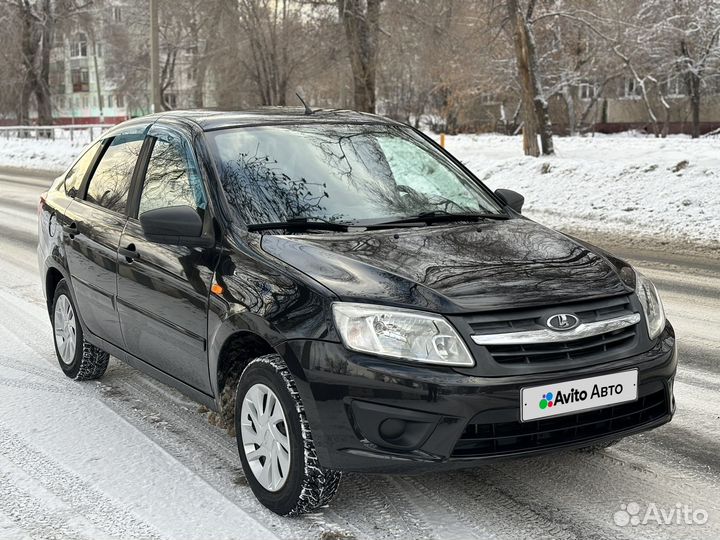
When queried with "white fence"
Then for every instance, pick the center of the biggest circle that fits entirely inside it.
(81, 133)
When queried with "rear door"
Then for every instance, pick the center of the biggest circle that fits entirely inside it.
(163, 289)
(92, 226)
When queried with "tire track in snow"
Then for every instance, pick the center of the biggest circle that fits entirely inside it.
(375, 508)
(40, 387)
(484, 505)
(602, 482)
(40, 510)
(81, 496)
(10, 530)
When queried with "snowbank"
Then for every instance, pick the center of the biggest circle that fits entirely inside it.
(631, 185)
(39, 154)
(627, 184)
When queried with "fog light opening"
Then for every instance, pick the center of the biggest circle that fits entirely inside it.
(392, 429)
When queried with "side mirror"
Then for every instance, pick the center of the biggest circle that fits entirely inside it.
(511, 198)
(176, 225)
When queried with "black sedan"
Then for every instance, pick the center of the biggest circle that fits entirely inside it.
(347, 295)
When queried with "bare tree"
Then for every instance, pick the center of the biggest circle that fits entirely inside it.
(536, 119)
(37, 22)
(692, 29)
(11, 65)
(361, 19)
(269, 26)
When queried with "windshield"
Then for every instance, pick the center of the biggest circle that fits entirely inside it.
(355, 174)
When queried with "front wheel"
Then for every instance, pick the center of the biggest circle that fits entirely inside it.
(274, 440)
(79, 359)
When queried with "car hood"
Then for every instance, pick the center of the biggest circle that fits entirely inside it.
(454, 268)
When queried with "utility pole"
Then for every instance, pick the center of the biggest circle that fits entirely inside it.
(98, 82)
(154, 58)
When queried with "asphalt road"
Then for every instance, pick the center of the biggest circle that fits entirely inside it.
(128, 457)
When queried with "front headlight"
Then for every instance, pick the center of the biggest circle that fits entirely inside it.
(651, 304)
(400, 333)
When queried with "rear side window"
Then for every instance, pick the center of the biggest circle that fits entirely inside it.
(75, 175)
(110, 183)
(172, 177)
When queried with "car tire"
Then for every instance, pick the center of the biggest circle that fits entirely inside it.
(288, 483)
(79, 359)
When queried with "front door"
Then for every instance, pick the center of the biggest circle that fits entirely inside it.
(92, 226)
(163, 290)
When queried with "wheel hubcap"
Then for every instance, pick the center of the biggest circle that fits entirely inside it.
(264, 433)
(65, 329)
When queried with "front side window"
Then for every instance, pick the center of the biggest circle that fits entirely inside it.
(75, 175)
(355, 174)
(172, 177)
(110, 183)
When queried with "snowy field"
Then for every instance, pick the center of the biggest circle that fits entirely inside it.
(39, 154)
(635, 185)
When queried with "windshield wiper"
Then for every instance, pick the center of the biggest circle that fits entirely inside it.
(299, 224)
(441, 216)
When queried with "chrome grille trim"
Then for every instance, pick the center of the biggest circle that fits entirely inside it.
(545, 335)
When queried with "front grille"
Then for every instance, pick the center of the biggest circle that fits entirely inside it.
(567, 350)
(604, 345)
(510, 437)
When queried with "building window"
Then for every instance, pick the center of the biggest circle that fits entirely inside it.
(119, 100)
(80, 80)
(487, 98)
(98, 50)
(587, 91)
(117, 14)
(633, 89)
(78, 46)
(673, 87)
(109, 101)
(84, 102)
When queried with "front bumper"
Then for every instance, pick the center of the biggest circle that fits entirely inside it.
(369, 414)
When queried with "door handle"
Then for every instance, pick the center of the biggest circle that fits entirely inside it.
(71, 230)
(130, 253)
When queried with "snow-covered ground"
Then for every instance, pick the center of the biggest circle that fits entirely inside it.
(627, 184)
(39, 154)
(633, 185)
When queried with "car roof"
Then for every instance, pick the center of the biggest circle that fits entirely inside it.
(209, 119)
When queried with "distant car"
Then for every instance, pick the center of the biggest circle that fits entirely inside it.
(371, 304)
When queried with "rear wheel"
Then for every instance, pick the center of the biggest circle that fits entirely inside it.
(79, 359)
(274, 440)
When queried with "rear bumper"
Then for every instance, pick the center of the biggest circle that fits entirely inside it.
(374, 415)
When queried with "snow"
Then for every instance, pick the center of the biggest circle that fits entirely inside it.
(49, 155)
(627, 184)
